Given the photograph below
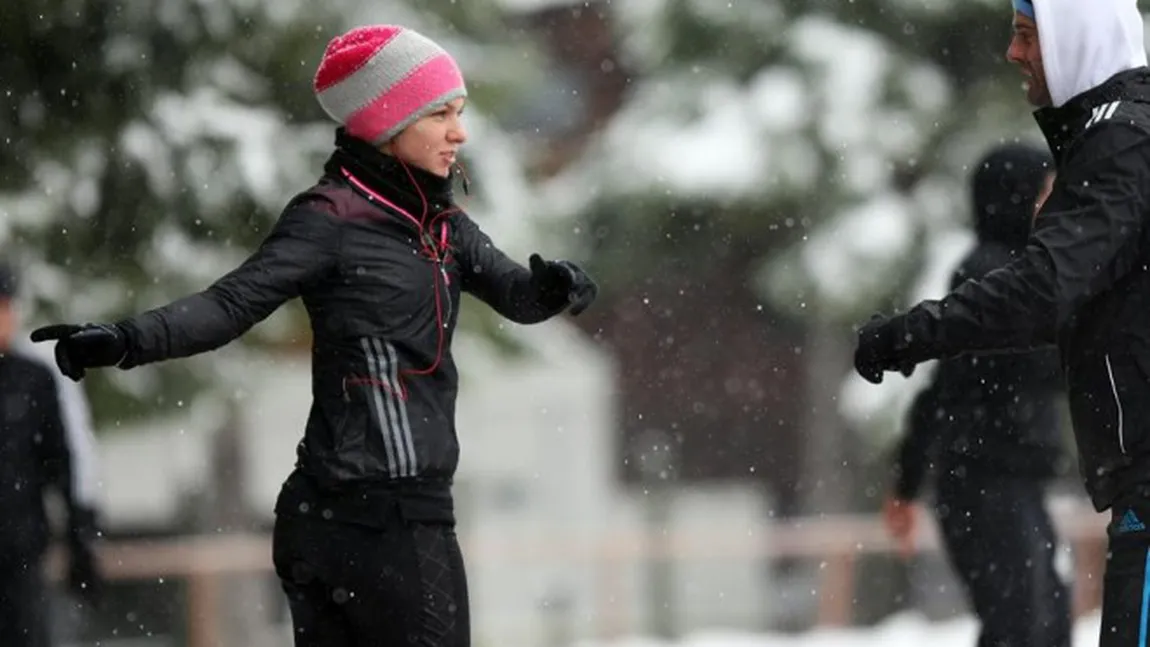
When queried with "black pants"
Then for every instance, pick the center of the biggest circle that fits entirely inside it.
(1126, 585)
(23, 606)
(353, 586)
(1001, 544)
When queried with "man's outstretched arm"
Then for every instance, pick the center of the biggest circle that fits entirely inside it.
(1087, 238)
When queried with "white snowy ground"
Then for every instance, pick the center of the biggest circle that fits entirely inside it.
(904, 630)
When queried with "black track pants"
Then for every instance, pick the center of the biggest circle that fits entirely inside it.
(353, 586)
(1001, 544)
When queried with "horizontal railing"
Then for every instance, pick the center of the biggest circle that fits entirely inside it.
(837, 541)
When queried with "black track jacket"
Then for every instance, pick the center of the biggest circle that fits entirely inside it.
(1083, 283)
(380, 255)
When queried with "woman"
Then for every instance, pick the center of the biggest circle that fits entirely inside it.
(364, 538)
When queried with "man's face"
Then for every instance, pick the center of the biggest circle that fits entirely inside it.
(1026, 52)
(7, 322)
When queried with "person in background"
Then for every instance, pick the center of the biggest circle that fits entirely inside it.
(989, 425)
(46, 444)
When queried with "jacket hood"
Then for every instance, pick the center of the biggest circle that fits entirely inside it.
(1004, 187)
(1085, 42)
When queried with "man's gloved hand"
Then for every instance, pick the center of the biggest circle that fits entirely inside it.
(878, 351)
(562, 282)
(84, 346)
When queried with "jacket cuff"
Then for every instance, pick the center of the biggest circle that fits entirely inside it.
(128, 334)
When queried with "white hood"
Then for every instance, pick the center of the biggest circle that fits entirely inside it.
(1085, 42)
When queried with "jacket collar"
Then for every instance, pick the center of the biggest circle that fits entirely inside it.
(1060, 126)
(421, 193)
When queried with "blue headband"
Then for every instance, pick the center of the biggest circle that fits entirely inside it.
(1025, 7)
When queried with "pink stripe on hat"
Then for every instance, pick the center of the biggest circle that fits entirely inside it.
(347, 53)
(379, 79)
(431, 85)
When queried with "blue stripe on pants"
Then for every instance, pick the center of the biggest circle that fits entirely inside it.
(1145, 600)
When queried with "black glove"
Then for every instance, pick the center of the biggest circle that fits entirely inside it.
(562, 282)
(878, 349)
(80, 347)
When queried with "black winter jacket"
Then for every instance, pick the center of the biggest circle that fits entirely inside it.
(1083, 283)
(992, 414)
(380, 255)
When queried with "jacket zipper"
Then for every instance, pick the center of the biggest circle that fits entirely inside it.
(1118, 404)
(438, 260)
(447, 288)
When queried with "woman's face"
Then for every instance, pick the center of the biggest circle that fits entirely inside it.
(432, 142)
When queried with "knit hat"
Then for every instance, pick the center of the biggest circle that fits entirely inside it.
(1004, 188)
(1024, 7)
(379, 79)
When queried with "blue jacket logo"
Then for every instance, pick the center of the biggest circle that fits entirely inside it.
(1130, 523)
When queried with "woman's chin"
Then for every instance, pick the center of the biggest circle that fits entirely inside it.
(442, 169)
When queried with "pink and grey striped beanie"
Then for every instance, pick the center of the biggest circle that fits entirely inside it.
(379, 79)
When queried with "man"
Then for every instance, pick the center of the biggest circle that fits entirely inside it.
(993, 426)
(1084, 280)
(40, 424)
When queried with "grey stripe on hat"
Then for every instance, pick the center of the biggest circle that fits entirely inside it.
(387, 67)
(386, 428)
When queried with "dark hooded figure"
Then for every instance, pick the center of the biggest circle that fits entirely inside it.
(989, 426)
